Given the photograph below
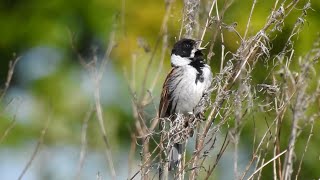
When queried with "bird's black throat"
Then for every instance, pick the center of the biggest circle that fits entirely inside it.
(198, 64)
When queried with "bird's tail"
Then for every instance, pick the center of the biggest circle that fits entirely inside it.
(175, 156)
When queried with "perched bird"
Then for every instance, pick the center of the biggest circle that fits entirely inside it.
(184, 86)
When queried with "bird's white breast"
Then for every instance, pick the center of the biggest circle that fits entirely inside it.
(186, 93)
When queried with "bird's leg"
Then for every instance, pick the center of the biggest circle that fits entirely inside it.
(201, 116)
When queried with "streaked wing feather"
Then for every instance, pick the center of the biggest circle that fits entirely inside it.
(165, 100)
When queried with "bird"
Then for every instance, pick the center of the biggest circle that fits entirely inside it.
(186, 83)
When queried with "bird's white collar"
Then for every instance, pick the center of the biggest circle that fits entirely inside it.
(179, 61)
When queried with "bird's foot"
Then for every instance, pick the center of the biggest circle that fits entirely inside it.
(201, 116)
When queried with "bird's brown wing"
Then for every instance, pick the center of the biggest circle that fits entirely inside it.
(165, 101)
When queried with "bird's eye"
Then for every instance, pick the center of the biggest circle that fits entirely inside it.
(187, 45)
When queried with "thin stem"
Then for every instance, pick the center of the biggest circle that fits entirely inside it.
(37, 148)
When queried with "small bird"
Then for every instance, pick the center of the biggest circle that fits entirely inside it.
(186, 83)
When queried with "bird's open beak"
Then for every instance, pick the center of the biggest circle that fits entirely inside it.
(198, 42)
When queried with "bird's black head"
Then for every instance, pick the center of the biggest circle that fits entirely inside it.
(184, 48)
